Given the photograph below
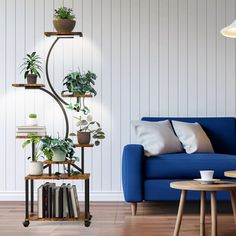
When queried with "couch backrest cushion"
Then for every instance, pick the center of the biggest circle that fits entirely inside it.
(220, 130)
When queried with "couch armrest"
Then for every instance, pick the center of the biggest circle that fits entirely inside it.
(132, 172)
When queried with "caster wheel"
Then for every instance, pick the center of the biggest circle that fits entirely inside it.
(26, 223)
(90, 217)
(87, 223)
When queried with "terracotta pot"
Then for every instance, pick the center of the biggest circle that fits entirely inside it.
(31, 79)
(35, 168)
(64, 26)
(58, 155)
(83, 137)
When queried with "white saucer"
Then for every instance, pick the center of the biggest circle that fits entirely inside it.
(210, 181)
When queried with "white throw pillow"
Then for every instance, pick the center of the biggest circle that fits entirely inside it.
(193, 137)
(157, 137)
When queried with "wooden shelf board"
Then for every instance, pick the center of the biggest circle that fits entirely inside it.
(34, 217)
(77, 95)
(55, 177)
(48, 34)
(83, 145)
(28, 85)
(26, 137)
(58, 162)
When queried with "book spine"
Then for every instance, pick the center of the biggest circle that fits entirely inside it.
(76, 199)
(61, 202)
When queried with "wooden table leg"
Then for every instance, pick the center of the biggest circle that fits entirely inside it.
(180, 212)
(233, 202)
(202, 213)
(213, 214)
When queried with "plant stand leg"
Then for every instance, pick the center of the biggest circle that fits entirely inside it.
(26, 222)
(82, 159)
(87, 213)
(32, 181)
(32, 195)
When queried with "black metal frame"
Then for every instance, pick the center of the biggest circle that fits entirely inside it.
(60, 102)
(87, 217)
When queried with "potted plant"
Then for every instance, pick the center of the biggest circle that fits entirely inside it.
(80, 83)
(57, 149)
(32, 119)
(64, 20)
(88, 128)
(32, 67)
(35, 166)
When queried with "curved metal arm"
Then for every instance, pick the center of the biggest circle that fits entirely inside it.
(62, 108)
(47, 74)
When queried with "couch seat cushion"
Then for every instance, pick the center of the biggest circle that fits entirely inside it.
(187, 166)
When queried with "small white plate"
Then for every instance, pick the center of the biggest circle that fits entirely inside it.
(210, 181)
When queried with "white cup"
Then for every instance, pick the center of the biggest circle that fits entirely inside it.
(207, 174)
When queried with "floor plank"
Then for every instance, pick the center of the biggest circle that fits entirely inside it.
(114, 219)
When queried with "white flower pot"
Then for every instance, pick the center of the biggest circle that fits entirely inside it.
(35, 168)
(58, 155)
(32, 121)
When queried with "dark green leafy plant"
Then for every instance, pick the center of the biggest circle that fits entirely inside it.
(93, 127)
(36, 141)
(79, 83)
(64, 13)
(32, 65)
(50, 143)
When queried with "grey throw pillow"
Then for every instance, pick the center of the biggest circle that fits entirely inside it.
(193, 137)
(157, 137)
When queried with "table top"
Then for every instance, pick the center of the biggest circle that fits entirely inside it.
(231, 173)
(196, 186)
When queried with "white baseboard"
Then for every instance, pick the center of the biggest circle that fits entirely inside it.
(94, 196)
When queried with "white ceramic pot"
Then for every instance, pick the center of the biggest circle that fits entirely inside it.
(35, 168)
(32, 121)
(58, 155)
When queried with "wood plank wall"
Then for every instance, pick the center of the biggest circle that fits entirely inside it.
(152, 57)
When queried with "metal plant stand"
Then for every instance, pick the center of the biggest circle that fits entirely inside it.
(86, 216)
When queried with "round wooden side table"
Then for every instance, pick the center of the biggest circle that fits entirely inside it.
(230, 174)
(212, 188)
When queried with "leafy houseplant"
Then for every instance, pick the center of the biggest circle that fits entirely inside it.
(32, 119)
(80, 84)
(57, 149)
(32, 67)
(35, 166)
(64, 20)
(88, 127)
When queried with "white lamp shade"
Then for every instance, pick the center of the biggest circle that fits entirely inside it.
(229, 31)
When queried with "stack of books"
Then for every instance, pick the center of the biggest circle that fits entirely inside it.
(31, 131)
(58, 201)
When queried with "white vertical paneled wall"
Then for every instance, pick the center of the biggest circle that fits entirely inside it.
(152, 57)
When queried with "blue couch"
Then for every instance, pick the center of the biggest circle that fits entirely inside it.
(148, 178)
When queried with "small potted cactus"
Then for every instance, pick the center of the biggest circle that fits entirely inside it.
(32, 120)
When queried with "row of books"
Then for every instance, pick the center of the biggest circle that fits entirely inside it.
(58, 201)
(29, 130)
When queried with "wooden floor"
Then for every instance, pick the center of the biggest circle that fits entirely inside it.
(113, 219)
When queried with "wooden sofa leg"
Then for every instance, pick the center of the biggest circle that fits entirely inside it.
(133, 208)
